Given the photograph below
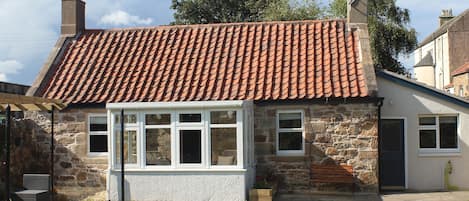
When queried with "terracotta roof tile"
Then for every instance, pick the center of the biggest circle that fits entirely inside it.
(239, 61)
(461, 70)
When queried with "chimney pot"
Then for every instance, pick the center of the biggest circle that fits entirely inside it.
(445, 16)
(357, 11)
(73, 17)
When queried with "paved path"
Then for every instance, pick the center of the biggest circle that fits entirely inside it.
(434, 196)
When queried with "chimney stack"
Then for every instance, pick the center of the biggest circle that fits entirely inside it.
(445, 16)
(73, 17)
(357, 11)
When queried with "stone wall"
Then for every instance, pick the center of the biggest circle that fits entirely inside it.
(461, 80)
(29, 152)
(339, 134)
(77, 175)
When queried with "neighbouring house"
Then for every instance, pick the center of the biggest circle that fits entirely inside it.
(424, 143)
(208, 108)
(461, 80)
(12, 88)
(439, 56)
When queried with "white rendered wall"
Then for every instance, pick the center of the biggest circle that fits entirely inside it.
(180, 186)
(425, 74)
(426, 171)
(440, 52)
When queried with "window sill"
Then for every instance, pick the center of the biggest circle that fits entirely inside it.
(96, 155)
(290, 153)
(439, 153)
(179, 170)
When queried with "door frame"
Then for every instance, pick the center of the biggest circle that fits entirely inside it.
(406, 164)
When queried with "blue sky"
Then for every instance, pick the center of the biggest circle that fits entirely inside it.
(30, 28)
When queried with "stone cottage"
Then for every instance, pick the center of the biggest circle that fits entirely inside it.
(207, 108)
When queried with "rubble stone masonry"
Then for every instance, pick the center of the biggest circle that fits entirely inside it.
(344, 134)
(76, 174)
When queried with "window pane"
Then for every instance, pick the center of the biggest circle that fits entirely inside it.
(290, 141)
(448, 132)
(427, 139)
(190, 146)
(158, 146)
(158, 119)
(98, 123)
(190, 118)
(223, 117)
(223, 146)
(130, 146)
(423, 121)
(128, 118)
(289, 120)
(98, 143)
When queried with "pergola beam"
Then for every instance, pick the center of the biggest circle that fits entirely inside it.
(6, 98)
(29, 103)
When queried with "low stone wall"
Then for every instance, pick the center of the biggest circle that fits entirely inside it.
(339, 134)
(76, 175)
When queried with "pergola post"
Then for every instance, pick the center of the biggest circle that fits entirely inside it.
(122, 156)
(16, 102)
(7, 151)
(52, 154)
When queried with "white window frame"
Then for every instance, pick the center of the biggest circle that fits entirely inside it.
(436, 127)
(96, 154)
(278, 130)
(203, 147)
(239, 138)
(176, 125)
(144, 143)
(127, 127)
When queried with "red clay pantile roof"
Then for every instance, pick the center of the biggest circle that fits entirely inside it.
(238, 61)
(461, 70)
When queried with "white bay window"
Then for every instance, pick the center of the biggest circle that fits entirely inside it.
(198, 138)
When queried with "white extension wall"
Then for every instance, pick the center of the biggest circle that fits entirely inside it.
(180, 186)
(426, 171)
(204, 182)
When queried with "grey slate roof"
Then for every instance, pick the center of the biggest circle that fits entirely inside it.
(427, 60)
(442, 29)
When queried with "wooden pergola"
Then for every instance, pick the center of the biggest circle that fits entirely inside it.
(15, 103)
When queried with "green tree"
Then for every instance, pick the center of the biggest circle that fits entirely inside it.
(292, 10)
(219, 11)
(390, 32)
(338, 8)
